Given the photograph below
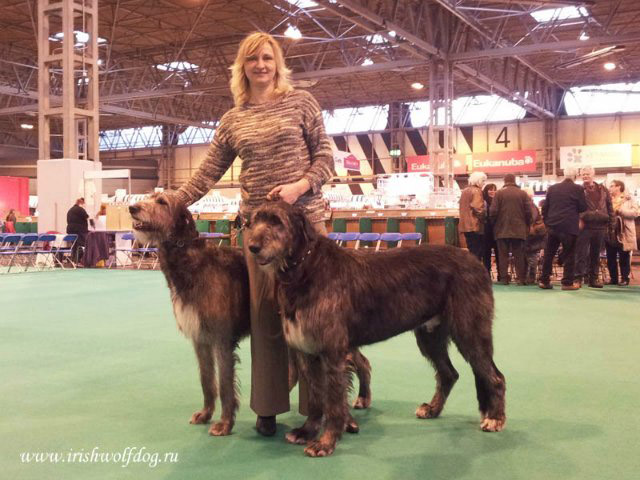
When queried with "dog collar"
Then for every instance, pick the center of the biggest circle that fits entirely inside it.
(286, 268)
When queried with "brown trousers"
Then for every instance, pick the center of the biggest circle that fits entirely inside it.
(269, 354)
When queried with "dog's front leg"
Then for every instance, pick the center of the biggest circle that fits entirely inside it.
(311, 370)
(204, 352)
(225, 357)
(334, 405)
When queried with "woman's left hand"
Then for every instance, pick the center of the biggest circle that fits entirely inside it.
(289, 192)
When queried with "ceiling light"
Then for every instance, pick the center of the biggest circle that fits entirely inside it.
(293, 32)
(609, 66)
(417, 86)
(590, 57)
(584, 36)
(367, 62)
(26, 126)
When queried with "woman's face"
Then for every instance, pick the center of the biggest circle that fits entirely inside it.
(260, 67)
(614, 189)
(491, 193)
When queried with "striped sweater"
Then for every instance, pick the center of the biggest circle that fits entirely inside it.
(279, 142)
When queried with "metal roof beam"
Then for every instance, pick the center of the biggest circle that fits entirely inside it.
(425, 50)
(472, 55)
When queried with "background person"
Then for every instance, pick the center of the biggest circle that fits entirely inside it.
(77, 223)
(10, 221)
(473, 214)
(561, 214)
(490, 245)
(279, 134)
(511, 216)
(597, 220)
(623, 239)
(535, 240)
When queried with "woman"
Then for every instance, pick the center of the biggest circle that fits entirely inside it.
(279, 134)
(488, 192)
(623, 239)
(473, 214)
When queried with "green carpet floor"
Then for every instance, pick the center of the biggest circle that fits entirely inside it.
(92, 360)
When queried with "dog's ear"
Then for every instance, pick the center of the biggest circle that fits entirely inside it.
(184, 227)
(302, 225)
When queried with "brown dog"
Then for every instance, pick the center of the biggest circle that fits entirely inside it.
(210, 294)
(332, 299)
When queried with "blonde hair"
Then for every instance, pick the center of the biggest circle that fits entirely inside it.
(240, 83)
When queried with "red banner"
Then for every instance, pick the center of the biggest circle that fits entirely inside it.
(504, 162)
(14, 193)
(422, 163)
(489, 162)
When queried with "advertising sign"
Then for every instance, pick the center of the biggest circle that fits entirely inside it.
(503, 162)
(346, 160)
(422, 163)
(488, 162)
(597, 156)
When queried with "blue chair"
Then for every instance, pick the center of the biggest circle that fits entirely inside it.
(128, 251)
(413, 236)
(25, 251)
(43, 253)
(9, 247)
(389, 237)
(367, 237)
(346, 237)
(65, 251)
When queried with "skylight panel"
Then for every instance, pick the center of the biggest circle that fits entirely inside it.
(603, 99)
(303, 3)
(177, 67)
(555, 14)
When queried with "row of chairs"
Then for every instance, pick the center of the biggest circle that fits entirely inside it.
(23, 250)
(343, 238)
(139, 256)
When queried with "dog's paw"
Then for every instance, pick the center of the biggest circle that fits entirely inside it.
(426, 410)
(299, 436)
(351, 426)
(492, 424)
(201, 416)
(221, 429)
(318, 448)
(362, 402)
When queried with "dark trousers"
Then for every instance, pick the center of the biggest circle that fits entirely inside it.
(554, 240)
(475, 243)
(588, 253)
(516, 247)
(613, 254)
(490, 245)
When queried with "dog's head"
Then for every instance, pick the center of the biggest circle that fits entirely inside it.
(162, 217)
(278, 233)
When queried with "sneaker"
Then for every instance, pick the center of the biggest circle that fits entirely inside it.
(595, 284)
(573, 286)
(624, 283)
(545, 285)
(266, 426)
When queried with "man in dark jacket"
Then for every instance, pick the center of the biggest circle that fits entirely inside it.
(511, 217)
(560, 211)
(597, 219)
(77, 218)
